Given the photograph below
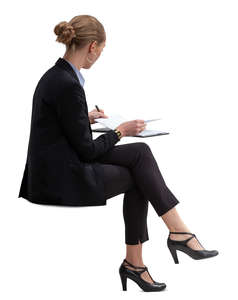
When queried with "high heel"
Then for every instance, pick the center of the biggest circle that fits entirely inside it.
(135, 276)
(175, 245)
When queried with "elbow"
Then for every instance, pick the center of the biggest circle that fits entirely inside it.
(87, 155)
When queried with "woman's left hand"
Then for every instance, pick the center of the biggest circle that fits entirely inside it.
(94, 114)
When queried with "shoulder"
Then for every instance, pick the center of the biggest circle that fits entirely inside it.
(57, 75)
(60, 80)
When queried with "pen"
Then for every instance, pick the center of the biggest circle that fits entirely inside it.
(97, 108)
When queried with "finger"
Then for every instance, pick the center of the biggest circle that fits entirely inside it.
(103, 115)
(141, 122)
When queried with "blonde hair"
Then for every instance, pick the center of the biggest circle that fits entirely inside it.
(80, 31)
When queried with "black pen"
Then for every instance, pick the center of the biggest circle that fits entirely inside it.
(97, 108)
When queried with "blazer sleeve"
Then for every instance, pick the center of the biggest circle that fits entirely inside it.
(73, 117)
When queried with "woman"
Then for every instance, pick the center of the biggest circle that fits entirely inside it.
(65, 166)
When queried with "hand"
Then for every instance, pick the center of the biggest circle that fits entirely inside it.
(94, 114)
(132, 128)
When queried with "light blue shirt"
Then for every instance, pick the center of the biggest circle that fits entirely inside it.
(78, 73)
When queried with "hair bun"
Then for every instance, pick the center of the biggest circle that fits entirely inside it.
(65, 32)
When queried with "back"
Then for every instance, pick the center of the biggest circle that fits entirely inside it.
(45, 127)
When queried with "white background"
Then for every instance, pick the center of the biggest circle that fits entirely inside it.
(171, 59)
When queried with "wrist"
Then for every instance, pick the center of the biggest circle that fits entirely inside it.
(122, 131)
(91, 121)
(118, 132)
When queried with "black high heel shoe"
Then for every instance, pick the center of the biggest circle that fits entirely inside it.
(135, 276)
(174, 245)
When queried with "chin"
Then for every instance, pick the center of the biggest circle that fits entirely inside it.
(87, 67)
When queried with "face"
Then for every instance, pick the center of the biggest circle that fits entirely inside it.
(94, 52)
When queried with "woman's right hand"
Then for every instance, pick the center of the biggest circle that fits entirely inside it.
(131, 128)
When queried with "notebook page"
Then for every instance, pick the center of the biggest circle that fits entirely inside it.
(115, 120)
(112, 121)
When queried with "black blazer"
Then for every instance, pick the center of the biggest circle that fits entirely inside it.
(61, 166)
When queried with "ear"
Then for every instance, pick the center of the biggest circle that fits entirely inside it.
(92, 46)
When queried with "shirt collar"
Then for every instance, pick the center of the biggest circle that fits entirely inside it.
(78, 73)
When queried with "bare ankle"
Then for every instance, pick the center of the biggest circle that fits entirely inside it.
(179, 229)
(135, 261)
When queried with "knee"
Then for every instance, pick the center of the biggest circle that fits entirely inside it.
(142, 148)
(140, 151)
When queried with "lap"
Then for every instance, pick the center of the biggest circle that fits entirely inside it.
(125, 154)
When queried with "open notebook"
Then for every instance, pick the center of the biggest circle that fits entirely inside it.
(115, 120)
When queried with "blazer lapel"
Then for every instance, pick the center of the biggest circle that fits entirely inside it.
(62, 63)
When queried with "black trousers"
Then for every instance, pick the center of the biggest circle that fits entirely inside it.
(132, 169)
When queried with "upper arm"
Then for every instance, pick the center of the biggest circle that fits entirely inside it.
(74, 121)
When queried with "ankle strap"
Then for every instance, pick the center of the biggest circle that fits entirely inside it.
(188, 239)
(136, 267)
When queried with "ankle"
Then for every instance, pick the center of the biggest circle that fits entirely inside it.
(135, 261)
(179, 229)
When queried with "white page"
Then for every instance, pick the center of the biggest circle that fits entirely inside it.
(147, 121)
(115, 120)
(112, 121)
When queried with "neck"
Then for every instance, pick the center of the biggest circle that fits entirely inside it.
(75, 59)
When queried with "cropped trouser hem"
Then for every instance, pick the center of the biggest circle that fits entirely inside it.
(170, 206)
(143, 235)
(137, 241)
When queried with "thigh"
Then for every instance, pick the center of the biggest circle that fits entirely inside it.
(125, 155)
(117, 180)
